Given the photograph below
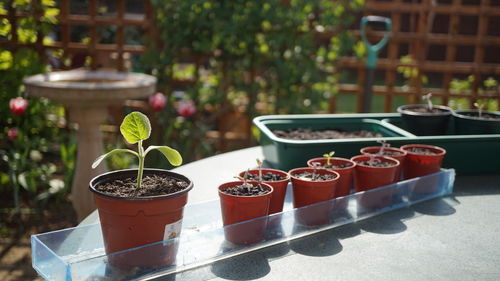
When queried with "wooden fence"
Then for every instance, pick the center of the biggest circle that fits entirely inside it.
(446, 39)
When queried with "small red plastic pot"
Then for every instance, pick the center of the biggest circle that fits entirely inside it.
(237, 209)
(279, 188)
(418, 165)
(132, 222)
(307, 192)
(368, 177)
(346, 174)
(374, 150)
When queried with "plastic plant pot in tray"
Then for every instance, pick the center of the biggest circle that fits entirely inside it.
(78, 253)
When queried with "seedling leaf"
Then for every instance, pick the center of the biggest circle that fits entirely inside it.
(135, 127)
(172, 155)
(102, 157)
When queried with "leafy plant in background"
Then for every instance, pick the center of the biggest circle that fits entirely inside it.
(247, 56)
(30, 128)
(488, 90)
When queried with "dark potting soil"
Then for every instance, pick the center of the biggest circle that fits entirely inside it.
(426, 110)
(483, 116)
(341, 166)
(388, 153)
(267, 176)
(247, 190)
(308, 134)
(378, 164)
(153, 185)
(423, 151)
(309, 176)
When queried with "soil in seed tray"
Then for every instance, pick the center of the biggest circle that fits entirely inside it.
(378, 164)
(267, 176)
(153, 185)
(309, 176)
(426, 110)
(483, 116)
(423, 151)
(308, 134)
(246, 190)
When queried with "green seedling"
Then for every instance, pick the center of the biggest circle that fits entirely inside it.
(429, 101)
(479, 107)
(259, 164)
(328, 157)
(383, 144)
(136, 128)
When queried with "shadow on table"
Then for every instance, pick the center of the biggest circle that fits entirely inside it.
(436, 207)
(388, 223)
(244, 267)
(318, 245)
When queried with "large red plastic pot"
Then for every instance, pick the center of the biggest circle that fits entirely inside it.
(237, 209)
(279, 188)
(306, 192)
(132, 222)
(346, 174)
(418, 165)
(395, 153)
(368, 177)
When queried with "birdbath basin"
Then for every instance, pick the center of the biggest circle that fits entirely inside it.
(87, 95)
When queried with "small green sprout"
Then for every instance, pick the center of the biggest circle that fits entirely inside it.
(429, 101)
(136, 128)
(259, 164)
(479, 107)
(328, 157)
(383, 145)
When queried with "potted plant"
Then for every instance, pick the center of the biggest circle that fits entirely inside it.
(311, 185)
(423, 160)
(140, 206)
(374, 171)
(473, 122)
(243, 201)
(275, 178)
(386, 150)
(425, 120)
(343, 166)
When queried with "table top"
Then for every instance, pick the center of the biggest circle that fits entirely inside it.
(452, 238)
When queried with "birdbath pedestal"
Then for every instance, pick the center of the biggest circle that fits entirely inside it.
(87, 94)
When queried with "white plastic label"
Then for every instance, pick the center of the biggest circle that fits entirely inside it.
(172, 230)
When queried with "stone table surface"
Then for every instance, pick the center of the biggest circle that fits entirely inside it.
(451, 238)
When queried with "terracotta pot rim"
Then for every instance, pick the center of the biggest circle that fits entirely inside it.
(441, 151)
(240, 182)
(386, 148)
(337, 158)
(377, 156)
(109, 176)
(459, 114)
(403, 109)
(328, 171)
(274, 171)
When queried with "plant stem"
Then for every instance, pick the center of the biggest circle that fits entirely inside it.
(141, 164)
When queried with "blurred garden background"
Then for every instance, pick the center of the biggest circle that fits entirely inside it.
(219, 63)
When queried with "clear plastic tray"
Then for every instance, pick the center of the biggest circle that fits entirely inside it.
(78, 253)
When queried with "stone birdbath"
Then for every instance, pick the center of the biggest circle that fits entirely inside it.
(87, 94)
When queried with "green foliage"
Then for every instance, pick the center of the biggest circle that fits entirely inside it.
(262, 56)
(136, 128)
(487, 92)
(29, 165)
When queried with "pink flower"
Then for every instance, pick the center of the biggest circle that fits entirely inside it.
(185, 108)
(18, 105)
(13, 133)
(157, 101)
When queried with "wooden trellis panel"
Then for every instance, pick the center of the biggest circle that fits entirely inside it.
(88, 17)
(446, 38)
